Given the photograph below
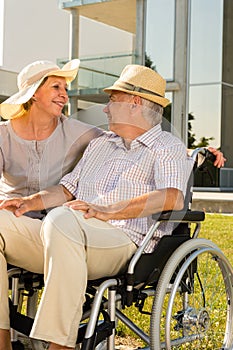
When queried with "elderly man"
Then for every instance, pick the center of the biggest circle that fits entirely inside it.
(125, 175)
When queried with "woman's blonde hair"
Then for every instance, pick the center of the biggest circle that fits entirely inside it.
(27, 105)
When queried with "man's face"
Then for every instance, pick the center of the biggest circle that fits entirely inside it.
(124, 113)
(117, 109)
(118, 112)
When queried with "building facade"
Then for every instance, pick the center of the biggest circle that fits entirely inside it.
(189, 42)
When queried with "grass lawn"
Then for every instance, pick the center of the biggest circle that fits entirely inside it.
(219, 229)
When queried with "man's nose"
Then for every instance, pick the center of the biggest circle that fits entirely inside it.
(106, 108)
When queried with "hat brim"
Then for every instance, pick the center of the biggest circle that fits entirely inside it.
(12, 107)
(162, 101)
(68, 71)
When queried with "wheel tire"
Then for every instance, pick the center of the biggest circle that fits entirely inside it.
(197, 313)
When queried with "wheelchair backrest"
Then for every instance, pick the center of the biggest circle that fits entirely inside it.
(149, 266)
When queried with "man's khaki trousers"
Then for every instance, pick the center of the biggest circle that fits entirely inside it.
(75, 250)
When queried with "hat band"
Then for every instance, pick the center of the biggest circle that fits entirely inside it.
(132, 87)
(37, 77)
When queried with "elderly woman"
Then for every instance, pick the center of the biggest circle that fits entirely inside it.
(38, 145)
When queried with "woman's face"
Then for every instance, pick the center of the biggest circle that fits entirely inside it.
(51, 96)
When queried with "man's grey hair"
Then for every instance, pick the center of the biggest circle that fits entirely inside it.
(152, 112)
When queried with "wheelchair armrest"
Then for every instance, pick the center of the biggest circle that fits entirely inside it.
(180, 215)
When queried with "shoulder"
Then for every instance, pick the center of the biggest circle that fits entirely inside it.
(167, 140)
(79, 128)
(4, 127)
(105, 136)
(101, 140)
(170, 147)
(3, 124)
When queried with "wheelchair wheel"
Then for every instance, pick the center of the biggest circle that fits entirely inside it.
(193, 304)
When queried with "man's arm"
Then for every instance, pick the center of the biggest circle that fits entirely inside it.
(220, 159)
(144, 205)
(48, 198)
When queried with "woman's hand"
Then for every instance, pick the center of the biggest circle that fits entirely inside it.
(220, 159)
(17, 205)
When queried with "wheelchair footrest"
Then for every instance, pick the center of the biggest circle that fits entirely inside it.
(103, 330)
(17, 345)
(19, 322)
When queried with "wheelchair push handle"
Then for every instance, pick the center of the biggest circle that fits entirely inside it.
(208, 155)
(201, 155)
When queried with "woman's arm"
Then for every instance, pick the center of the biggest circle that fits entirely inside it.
(48, 198)
(220, 159)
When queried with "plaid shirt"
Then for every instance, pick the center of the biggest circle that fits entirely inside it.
(109, 172)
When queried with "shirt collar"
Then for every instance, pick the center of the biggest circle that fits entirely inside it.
(147, 139)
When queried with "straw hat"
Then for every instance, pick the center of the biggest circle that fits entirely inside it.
(141, 81)
(28, 81)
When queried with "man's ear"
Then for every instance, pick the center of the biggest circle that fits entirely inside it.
(137, 100)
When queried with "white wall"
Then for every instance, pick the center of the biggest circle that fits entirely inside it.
(1, 30)
(34, 30)
(38, 29)
(98, 38)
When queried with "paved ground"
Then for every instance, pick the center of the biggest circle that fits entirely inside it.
(213, 202)
(126, 345)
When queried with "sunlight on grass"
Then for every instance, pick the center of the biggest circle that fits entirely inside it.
(219, 229)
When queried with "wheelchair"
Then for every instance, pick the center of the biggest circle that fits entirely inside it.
(184, 288)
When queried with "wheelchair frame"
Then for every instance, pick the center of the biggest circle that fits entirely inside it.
(180, 281)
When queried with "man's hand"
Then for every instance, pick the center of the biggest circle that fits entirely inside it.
(90, 210)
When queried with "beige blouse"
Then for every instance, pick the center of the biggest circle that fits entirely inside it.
(29, 166)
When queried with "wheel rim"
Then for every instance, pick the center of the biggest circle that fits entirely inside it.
(208, 315)
(200, 317)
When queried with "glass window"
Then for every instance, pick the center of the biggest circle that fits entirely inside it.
(205, 106)
(206, 41)
(206, 68)
(160, 35)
